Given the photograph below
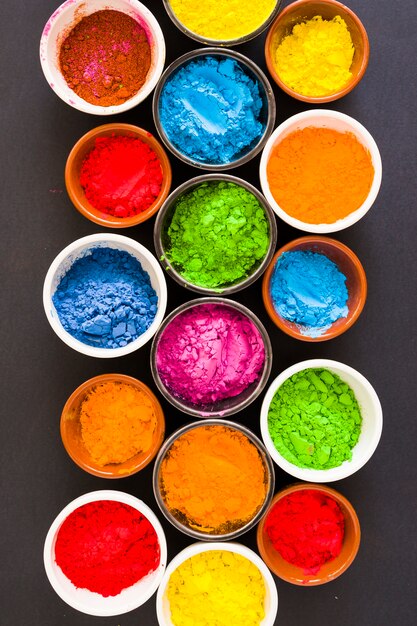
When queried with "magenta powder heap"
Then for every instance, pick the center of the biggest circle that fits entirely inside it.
(209, 353)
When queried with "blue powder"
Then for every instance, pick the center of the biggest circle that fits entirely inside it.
(307, 288)
(106, 299)
(210, 110)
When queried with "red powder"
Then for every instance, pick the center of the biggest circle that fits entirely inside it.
(307, 528)
(121, 176)
(106, 546)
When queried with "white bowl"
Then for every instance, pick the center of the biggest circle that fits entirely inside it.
(71, 12)
(370, 435)
(88, 601)
(324, 119)
(78, 249)
(271, 599)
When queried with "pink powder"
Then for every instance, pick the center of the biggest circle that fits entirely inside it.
(209, 353)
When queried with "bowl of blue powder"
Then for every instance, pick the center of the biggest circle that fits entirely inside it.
(105, 295)
(214, 108)
(314, 289)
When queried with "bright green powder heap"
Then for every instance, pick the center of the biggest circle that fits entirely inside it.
(218, 235)
(314, 419)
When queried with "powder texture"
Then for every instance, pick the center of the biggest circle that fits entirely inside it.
(209, 353)
(106, 546)
(319, 175)
(307, 528)
(216, 588)
(213, 479)
(118, 421)
(222, 19)
(217, 236)
(314, 420)
(315, 58)
(106, 299)
(307, 288)
(211, 110)
(121, 176)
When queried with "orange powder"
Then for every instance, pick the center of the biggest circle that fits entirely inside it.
(117, 422)
(213, 479)
(319, 175)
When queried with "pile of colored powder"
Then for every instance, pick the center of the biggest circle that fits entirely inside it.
(216, 588)
(118, 421)
(212, 110)
(213, 479)
(315, 58)
(314, 420)
(218, 235)
(307, 288)
(209, 353)
(106, 546)
(106, 299)
(319, 175)
(307, 528)
(121, 175)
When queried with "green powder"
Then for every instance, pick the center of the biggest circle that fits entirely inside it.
(218, 235)
(314, 419)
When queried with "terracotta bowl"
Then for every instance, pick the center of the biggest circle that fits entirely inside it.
(305, 10)
(349, 265)
(330, 570)
(73, 168)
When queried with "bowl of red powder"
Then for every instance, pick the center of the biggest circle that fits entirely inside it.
(102, 57)
(105, 553)
(310, 534)
(118, 175)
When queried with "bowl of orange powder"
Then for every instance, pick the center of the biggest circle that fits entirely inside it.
(112, 426)
(321, 171)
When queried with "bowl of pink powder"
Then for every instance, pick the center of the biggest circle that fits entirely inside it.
(211, 357)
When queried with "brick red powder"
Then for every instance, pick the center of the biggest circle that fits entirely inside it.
(121, 176)
(306, 528)
(106, 546)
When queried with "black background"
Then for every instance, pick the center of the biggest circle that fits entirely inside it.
(39, 372)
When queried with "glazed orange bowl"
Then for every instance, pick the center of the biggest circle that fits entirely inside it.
(346, 261)
(328, 571)
(73, 170)
(302, 11)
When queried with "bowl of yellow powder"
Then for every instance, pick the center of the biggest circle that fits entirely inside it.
(112, 426)
(226, 584)
(317, 50)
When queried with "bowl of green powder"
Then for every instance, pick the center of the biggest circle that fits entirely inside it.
(215, 234)
(321, 420)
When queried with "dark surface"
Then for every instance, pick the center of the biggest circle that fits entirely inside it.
(40, 372)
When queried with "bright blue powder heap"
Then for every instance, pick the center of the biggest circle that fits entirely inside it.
(106, 299)
(307, 288)
(210, 110)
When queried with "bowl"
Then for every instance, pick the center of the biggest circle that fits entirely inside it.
(164, 218)
(80, 248)
(66, 17)
(267, 113)
(330, 570)
(181, 525)
(93, 603)
(228, 406)
(340, 122)
(221, 42)
(72, 437)
(73, 170)
(303, 10)
(371, 430)
(271, 599)
(347, 262)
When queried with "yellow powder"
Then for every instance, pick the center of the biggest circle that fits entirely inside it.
(315, 59)
(216, 588)
(222, 19)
